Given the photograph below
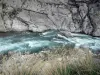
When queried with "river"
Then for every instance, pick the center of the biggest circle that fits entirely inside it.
(35, 42)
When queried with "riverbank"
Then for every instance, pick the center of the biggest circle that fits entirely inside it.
(60, 61)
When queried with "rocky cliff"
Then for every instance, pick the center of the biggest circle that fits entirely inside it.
(39, 15)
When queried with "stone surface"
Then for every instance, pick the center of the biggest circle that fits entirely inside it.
(41, 15)
(18, 26)
(2, 26)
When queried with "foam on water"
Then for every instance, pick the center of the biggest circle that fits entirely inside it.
(49, 39)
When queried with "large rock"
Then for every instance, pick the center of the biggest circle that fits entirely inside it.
(37, 22)
(40, 15)
(95, 15)
(2, 26)
(18, 26)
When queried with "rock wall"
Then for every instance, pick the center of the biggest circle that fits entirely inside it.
(40, 15)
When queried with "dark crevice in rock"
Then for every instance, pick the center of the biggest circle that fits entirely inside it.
(42, 14)
(3, 14)
(35, 11)
(56, 13)
(76, 4)
(91, 22)
(23, 21)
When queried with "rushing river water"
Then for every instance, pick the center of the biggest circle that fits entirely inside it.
(35, 42)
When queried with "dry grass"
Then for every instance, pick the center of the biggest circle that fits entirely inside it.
(62, 61)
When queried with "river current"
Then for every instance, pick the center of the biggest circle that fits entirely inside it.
(35, 42)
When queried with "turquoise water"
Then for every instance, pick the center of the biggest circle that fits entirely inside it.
(35, 42)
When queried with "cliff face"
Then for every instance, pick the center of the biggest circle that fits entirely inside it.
(39, 15)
